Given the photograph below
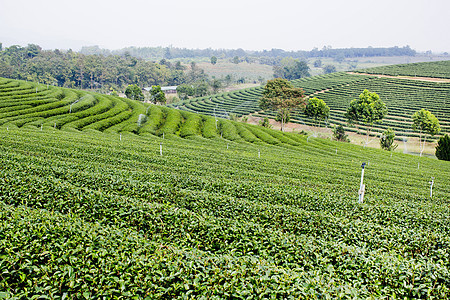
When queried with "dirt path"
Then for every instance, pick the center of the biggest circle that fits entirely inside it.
(445, 80)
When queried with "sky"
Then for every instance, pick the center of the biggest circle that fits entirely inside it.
(230, 24)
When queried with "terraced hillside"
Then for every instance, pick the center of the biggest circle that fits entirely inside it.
(403, 97)
(87, 215)
(438, 69)
(26, 105)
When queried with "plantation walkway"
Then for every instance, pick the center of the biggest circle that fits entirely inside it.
(432, 79)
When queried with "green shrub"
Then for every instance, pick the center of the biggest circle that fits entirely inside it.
(443, 148)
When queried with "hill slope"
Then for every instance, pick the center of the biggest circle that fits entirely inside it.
(86, 214)
(403, 97)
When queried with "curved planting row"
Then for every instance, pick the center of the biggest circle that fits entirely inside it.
(34, 106)
(403, 97)
(438, 69)
(91, 216)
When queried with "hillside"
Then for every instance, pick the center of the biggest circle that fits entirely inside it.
(102, 197)
(402, 96)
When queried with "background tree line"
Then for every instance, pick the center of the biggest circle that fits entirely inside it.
(264, 56)
(92, 71)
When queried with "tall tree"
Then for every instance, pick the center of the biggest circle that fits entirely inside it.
(279, 94)
(366, 110)
(213, 60)
(134, 92)
(291, 69)
(157, 95)
(425, 123)
(317, 109)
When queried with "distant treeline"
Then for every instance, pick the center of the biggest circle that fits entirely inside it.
(157, 53)
(77, 70)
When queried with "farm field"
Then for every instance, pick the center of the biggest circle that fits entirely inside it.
(103, 197)
(402, 96)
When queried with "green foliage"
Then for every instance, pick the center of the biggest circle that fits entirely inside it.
(317, 109)
(265, 123)
(201, 89)
(291, 69)
(339, 134)
(329, 69)
(185, 91)
(279, 93)
(425, 122)
(283, 116)
(216, 85)
(134, 92)
(157, 95)
(387, 140)
(236, 60)
(213, 60)
(367, 109)
(443, 148)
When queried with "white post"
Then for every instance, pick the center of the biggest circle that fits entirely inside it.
(227, 146)
(120, 136)
(259, 154)
(336, 150)
(160, 149)
(431, 187)
(41, 126)
(362, 186)
(54, 126)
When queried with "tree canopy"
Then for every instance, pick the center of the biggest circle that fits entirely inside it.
(134, 92)
(280, 94)
(157, 95)
(291, 69)
(367, 110)
(425, 123)
(317, 109)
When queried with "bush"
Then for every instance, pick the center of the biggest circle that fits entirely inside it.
(443, 148)
(339, 134)
(265, 123)
(387, 140)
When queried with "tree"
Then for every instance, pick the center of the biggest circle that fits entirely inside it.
(216, 85)
(213, 60)
(317, 109)
(387, 140)
(291, 69)
(317, 63)
(329, 69)
(201, 89)
(425, 123)
(283, 116)
(134, 92)
(443, 148)
(235, 60)
(280, 94)
(367, 110)
(339, 134)
(157, 95)
(185, 90)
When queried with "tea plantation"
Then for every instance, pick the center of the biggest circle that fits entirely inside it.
(107, 198)
(403, 97)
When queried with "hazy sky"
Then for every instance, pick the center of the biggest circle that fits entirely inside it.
(229, 24)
